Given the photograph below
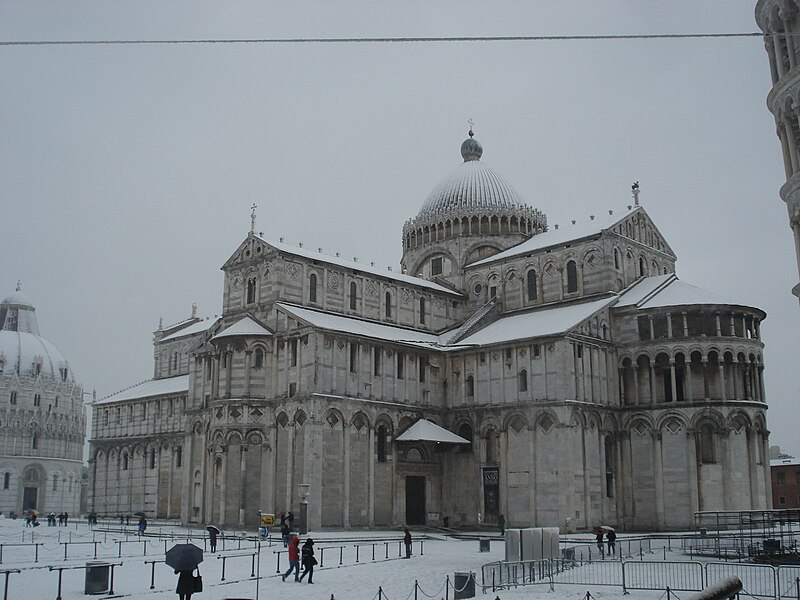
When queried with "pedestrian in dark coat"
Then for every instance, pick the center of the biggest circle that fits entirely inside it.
(611, 536)
(212, 539)
(290, 520)
(185, 587)
(285, 533)
(599, 540)
(407, 542)
(308, 560)
(501, 523)
(294, 559)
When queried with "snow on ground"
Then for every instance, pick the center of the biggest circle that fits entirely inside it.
(350, 581)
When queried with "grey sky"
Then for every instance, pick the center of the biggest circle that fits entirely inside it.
(127, 172)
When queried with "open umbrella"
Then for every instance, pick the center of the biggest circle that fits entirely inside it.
(213, 528)
(184, 557)
(140, 514)
(607, 528)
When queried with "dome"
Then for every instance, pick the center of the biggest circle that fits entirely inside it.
(22, 349)
(471, 187)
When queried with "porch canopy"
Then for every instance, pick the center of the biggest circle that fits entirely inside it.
(426, 431)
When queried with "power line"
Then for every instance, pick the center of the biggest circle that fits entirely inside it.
(391, 40)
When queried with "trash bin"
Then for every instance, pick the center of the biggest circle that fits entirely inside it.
(96, 578)
(485, 545)
(463, 585)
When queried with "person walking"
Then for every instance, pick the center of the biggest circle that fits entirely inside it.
(599, 540)
(308, 560)
(185, 587)
(66, 518)
(407, 542)
(142, 525)
(294, 560)
(611, 537)
(290, 520)
(212, 538)
(285, 533)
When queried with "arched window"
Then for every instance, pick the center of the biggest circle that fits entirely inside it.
(353, 297)
(532, 292)
(35, 442)
(608, 445)
(572, 277)
(251, 290)
(465, 431)
(523, 381)
(492, 446)
(616, 258)
(6, 481)
(707, 450)
(388, 305)
(258, 358)
(422, 310)
(55, 483)
(642, 267)
(470, 386)
(382, 444)
(312, 288)
(124, 462)
(152, 458)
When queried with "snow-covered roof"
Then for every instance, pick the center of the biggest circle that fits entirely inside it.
(192, 329)
(536, 323)
(363, 267)
(557, 237)
(246, 326)
(667, 290)
(426, 431)
(151, 387)
(359, 327)
(784, 462)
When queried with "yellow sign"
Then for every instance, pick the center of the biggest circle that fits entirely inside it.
(267, 520)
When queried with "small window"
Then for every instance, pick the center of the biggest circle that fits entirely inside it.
(523, 381)
(537, 351)
(436, 266)
(532, 291)
(251, 290)
(482, 357)
(293, 352)
(292, 390)
(13, 397)
(610, 466)
(56, 402)
(797, 476)
(401, 363)
(422, 310)
(124, 462)
(509, 354)
(782, 500)
(423, 368)
(6, 481)
(780, 478)
(35, 442)
(579, 350)
(353, 296)
(37, 399)
(616, 258)
(707, 450)
(642, 267)
(388, 305)
(377, 353)
(382, 444)
(119, 416)
(312, 288)
(144, 412)
(353, 357)
(55, 483)
(493, 292)
(178, 456)
(105, 417)
(470, 386)
(572, 277)
(258, 358)
(152, 458)
(465, 431)
(64, 373)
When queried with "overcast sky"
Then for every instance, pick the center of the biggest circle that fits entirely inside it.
(127, 172)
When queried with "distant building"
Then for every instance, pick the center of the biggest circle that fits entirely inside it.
(780, 22)
(42, 424)
(558, 376)
(785, 482)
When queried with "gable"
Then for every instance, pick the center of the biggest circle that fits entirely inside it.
(639, 227)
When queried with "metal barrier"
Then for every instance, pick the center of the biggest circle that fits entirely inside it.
(7, 573)
(757, 580)
(658, 575)
(787, 581)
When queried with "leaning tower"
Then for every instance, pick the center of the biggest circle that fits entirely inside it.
(780, 22)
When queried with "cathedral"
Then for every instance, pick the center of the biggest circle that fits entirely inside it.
(557, 376)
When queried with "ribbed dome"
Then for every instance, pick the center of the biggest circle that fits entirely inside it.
(472, 186)
(21, 346)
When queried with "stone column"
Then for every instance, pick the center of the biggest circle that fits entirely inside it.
(242, 482)
(247, 366)
(685, 325)
(651, 374)
(735, 377)
(721, 368)
(765, 461)
(228, 372)
(208, 495)
(789, 128)
(777, 48)
(346, 482)
(669, 325)
(787, 160)
(789, 42)
(689, 388)
(625, 503)
(586, 503)
(752, 458)
(659, 479)
(636, 383)
(622, 398)
(773, 69)
(291, 431)
(674, 380)
(718, 325)
(223, 486)
(372, 476)
(704, 363)
(694, 497)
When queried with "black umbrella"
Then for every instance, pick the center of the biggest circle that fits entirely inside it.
(184, 557)
(140, 514)
(213, 528)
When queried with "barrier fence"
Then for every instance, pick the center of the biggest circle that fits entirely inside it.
(760, 581)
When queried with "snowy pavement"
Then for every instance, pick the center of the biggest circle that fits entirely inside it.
(396, 577)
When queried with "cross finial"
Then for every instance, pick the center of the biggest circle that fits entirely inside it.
(19, 285)
(635, 192)
(253, 217)
(471, 127)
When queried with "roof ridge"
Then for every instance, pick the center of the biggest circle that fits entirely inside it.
(657, 290)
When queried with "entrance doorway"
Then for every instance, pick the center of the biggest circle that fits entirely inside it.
(415, 500)
(29, 497)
